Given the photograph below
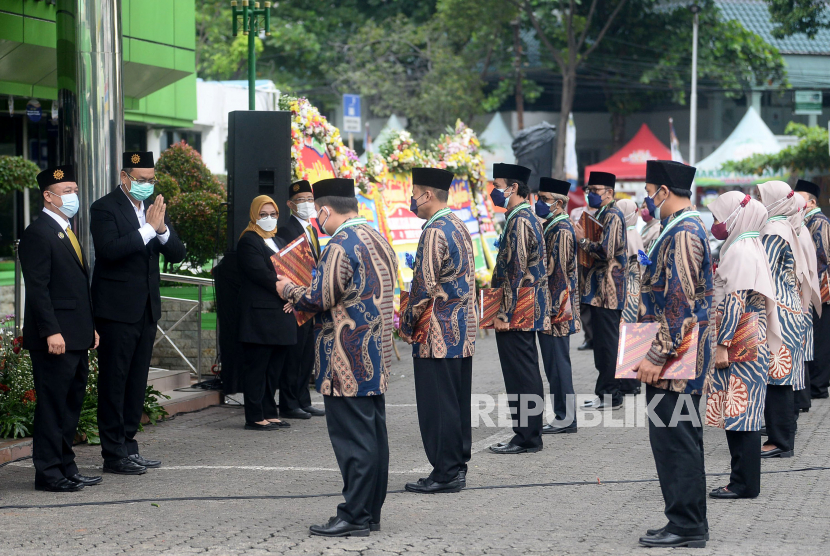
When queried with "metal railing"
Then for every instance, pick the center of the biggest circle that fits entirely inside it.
(198, 305)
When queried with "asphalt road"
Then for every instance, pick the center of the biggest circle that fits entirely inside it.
(224, 490)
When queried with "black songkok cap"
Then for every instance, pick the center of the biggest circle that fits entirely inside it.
(552, 185)
(675, 175)
(298, 187)
(511, 172)
(58, 174)
(432, 177)
(137, 159)
(334, 187)
(808, 187)
(602, 178)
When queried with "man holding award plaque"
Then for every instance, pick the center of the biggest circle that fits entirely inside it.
(441, 323)
(521, 277)
(676, 293)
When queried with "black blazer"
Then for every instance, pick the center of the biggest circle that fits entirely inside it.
(126, 271)
(57, 288)
(293, 229)
(261, 316)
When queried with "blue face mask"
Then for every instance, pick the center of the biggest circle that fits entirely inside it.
(542, 208)
(498, 198)
(140, 191)
(594, 200)
(70, 204)
(653, 210)
(413, 204)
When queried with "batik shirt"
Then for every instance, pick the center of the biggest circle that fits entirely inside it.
(632, 290)
(819, 226)
(560, 242)
(736, 394)
(352, 294)
(676, 291)
(445, 273)
(605, 281)
(650, 232)
(786, 366)
(521, 263)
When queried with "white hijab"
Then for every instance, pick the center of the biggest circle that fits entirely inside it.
(808, 282)
(780, 200)
(743, 263)
(633, 239)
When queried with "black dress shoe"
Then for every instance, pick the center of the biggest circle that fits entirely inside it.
(586, 346)
(281, 424)
(124, 466)
(428, 486)
(823, 396)
(776, 453)
(511, 448)
(723, 493)
(336, 527)
(315, 411)
(551, 429)
(462, 478)
(664, 539)
(597, 403)
(374, 527)
(295, 414)
(258, 427)
(148, 463)
(61, 485)
(652, 532)
(86, 481)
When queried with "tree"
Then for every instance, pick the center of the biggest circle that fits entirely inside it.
(810, 153)
(798, 16)
(17, 174)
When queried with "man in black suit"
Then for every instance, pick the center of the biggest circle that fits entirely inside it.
(125, 294)
(58, 330)
(295, 400)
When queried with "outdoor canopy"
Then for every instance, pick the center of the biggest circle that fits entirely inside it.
(629, 163)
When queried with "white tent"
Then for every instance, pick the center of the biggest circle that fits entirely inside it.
(496, 137)
(752, 136)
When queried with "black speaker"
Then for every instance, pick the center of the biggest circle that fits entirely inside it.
(259, 163)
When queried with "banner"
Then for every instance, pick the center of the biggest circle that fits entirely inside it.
(404, 227)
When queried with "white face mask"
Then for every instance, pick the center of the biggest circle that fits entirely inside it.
(268, 224)
(305, 211)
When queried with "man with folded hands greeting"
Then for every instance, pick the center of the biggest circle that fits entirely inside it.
(443, 281)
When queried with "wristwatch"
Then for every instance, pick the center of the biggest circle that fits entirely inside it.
(583, 242)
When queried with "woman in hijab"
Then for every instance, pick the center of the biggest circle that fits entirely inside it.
(785, 258)
(265, 330)
(632, 277)
(737, 390)
(810, 296)
(652, 228)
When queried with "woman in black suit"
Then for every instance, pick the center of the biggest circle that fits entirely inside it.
(265, 329)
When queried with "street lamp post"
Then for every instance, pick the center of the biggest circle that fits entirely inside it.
(695, 9)
(254, 19)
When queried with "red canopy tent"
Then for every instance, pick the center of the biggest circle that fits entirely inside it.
(629, 163)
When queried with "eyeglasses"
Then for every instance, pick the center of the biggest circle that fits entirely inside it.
(303, 200)
(152, 181)
(596, 189)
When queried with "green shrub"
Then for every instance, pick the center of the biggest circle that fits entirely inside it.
(166, 186)
(183, 163)
(17, 174)
(194, 217)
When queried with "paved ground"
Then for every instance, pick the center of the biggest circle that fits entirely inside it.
(224, 490)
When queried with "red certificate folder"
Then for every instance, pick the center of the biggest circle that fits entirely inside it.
(636, 340)
(524, 315)
(746, 340)
(420, 332)
(565, 311)
(295, 262)
(593, 233)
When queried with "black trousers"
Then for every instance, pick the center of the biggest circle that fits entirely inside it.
(123, 365)
(556, 357)
(819, 367)
(263, 367)
(587, 324)
(357, 430)
(60, 384)
(296, 375)
(606, 338)
(802, 398)
(745, 479)
(779, 417)
(678, 455)
(520, 368)
(443, 391)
